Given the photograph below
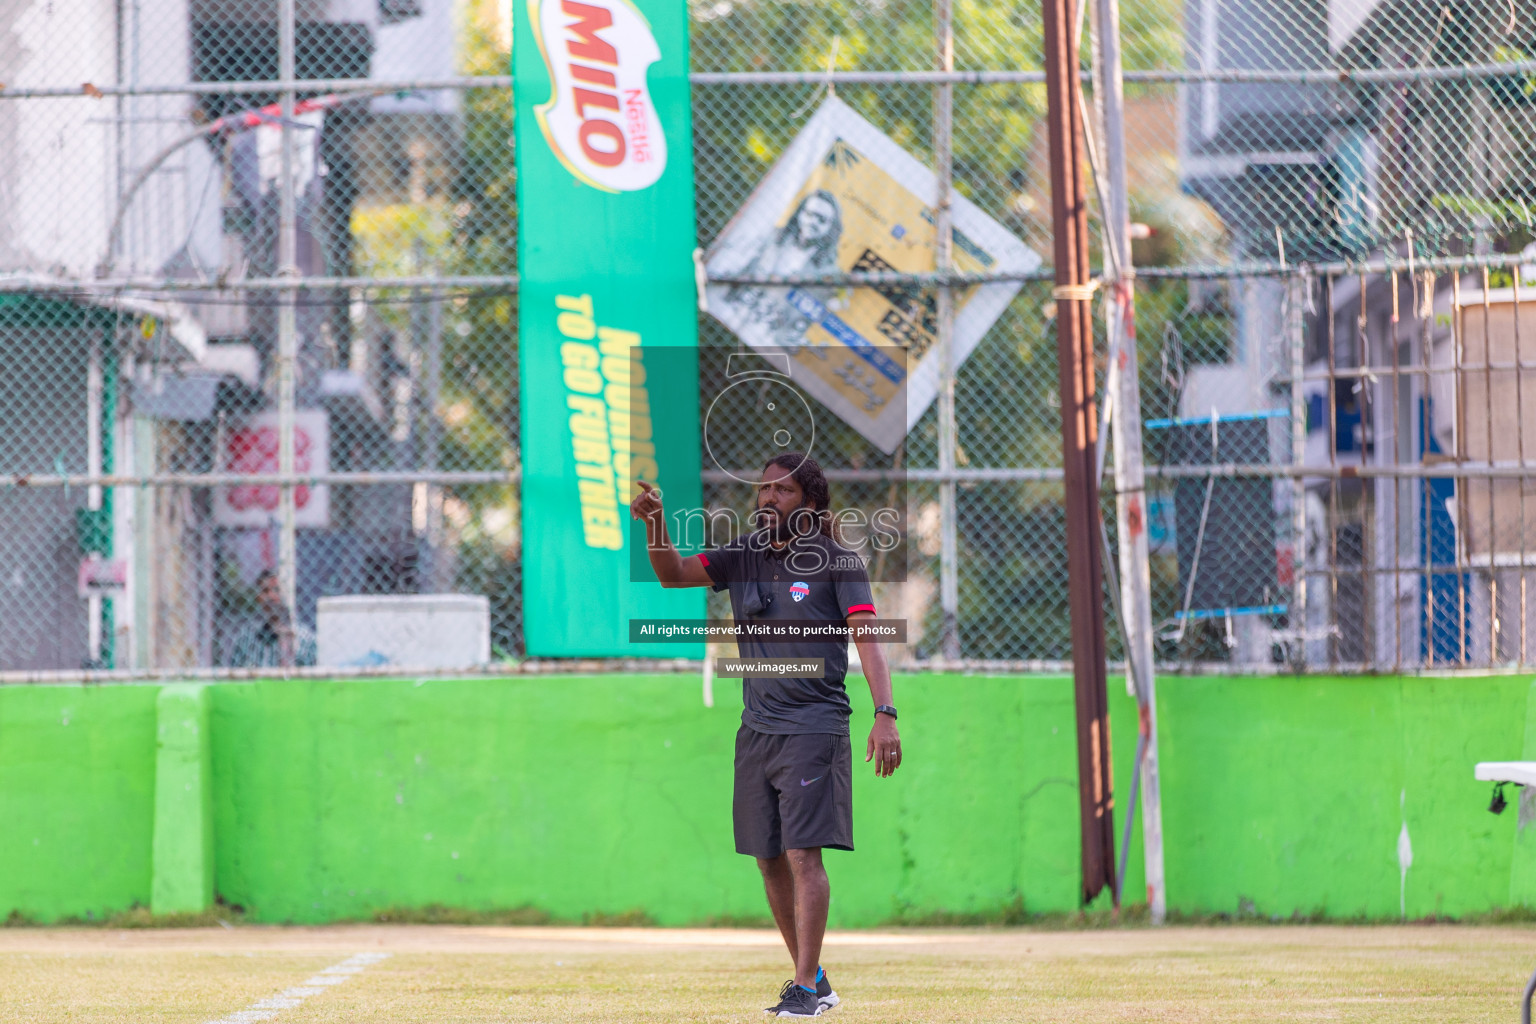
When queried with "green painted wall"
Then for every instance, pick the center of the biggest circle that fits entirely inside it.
(333, 799)
(1292, 793)
(77, 797)
(611, 794)
(572, 794)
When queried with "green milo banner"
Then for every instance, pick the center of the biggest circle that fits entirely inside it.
(606, 236)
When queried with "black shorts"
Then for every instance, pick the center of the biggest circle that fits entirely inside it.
(793, 792)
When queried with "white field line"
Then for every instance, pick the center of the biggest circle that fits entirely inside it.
(289, 998)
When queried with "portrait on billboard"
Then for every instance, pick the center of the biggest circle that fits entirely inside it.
(805, 245)
(843, 197)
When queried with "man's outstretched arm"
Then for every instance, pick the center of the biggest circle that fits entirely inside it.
(884, 746)
(671, 568)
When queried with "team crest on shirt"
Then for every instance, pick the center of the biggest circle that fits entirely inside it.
(799, 591)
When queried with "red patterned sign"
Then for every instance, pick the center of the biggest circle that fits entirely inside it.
(253, 449)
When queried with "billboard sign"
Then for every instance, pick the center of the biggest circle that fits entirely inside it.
(606, 239)
(844, 197)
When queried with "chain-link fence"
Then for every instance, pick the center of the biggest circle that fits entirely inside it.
(1331, 202)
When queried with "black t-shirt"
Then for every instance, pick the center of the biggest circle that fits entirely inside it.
(812, 578)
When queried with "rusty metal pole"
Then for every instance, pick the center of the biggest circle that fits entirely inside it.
(1079, 441)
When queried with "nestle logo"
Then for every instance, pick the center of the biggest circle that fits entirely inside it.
(599, 120)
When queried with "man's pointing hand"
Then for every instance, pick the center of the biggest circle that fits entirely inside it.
(647, 503)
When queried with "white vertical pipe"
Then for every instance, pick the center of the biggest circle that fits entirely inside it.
(93, 466)
(429, 425)
(432, 384)
(943, 158)
(1130, 477)
(147, 575)
(287, 328)
(1296, 290)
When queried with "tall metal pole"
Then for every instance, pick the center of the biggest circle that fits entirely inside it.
(1295, 329)
(287, 328)
(427, 436)
(943, 157)
(1130, 478)
(1079, 429)
(432, 384)
(95, 384)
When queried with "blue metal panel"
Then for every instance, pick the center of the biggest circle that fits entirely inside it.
(1445, 614)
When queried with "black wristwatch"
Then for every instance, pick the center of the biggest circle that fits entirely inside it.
(886, 709)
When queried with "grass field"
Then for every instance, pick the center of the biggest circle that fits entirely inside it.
(1430, 973)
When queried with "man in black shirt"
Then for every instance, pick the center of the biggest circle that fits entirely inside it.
(794, 769)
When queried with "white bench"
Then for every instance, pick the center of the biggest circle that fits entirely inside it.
(1521, 773)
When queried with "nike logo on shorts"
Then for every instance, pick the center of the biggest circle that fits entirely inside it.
(807, 782)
